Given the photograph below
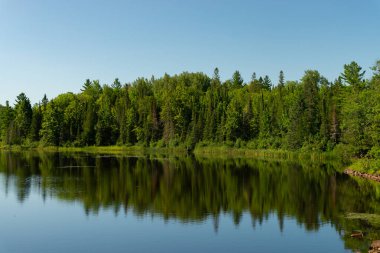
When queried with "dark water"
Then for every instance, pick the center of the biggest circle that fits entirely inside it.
(55, 202)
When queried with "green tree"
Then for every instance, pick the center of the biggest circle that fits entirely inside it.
(296, 132)
(36, 123)
(23, 117)
(211, 102)
(353, 76)
(281, 80)
(237, 80)
(267, 83)
(6, 119)
(310, 82)
(106, 126)
(233, 119)
(51, 125)
(91, 91)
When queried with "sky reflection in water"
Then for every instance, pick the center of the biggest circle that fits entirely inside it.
(61, 203)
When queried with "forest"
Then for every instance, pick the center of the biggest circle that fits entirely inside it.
(192, 109)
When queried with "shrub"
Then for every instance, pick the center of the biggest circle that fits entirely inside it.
(344, 151)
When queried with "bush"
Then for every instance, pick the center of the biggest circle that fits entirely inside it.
(173, 143)
(367, 165)
(252, 144)
(229, 144)
(238, 143)
(202, 144)
(344, 151)
(374, 152)
(330, 146)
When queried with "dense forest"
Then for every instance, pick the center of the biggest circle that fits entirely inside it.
(193, 109)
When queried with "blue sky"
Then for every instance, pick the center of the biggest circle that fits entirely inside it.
(52, 46)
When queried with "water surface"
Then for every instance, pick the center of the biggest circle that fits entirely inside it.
(78, 202)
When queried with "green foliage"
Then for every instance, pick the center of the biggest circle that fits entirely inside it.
(353, 76)
(344, 151)
(36, 123)
(281, 79)
(23, 118)
(191, 108)
(6, 123)
(51, 125)
(237, 80)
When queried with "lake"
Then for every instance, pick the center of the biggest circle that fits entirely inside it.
(80, 202)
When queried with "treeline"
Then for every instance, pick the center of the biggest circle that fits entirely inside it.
(192, 109)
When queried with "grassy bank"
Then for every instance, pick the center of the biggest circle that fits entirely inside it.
(363, 165)
(366, 165)
(100, 149)
(201, 151)
(262, 153)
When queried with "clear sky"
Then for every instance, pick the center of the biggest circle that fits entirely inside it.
(52, 46)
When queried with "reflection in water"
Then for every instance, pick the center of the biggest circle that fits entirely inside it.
(191, 189)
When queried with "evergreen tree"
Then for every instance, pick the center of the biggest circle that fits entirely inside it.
(23, 117)
(267, 83)
(281, 80)
(353, 76)
(51, 125)
(6, 119)
(310, 83)
(36, 123)
(237, 80)
(189, 108)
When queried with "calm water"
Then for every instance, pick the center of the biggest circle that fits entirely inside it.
(55, 202)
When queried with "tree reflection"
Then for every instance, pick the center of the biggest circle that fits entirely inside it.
(194, 189)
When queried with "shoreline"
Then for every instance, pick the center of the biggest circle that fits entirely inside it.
(373, 177)
(203, 151)
(97, 149)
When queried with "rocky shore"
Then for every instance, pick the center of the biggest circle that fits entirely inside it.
(375, 247)
(374, 177)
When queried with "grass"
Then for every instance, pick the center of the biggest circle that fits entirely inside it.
(210, 150)
(371, 219)
(203, 152)
(263, 153)
(366, 165)
(100, 149)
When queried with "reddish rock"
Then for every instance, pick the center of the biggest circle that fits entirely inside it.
(375, 244)
(363, 175)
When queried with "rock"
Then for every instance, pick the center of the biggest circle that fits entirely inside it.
(375, 247)
(375, 177)
(375, 244)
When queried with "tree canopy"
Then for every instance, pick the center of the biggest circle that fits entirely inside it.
(192, 109)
